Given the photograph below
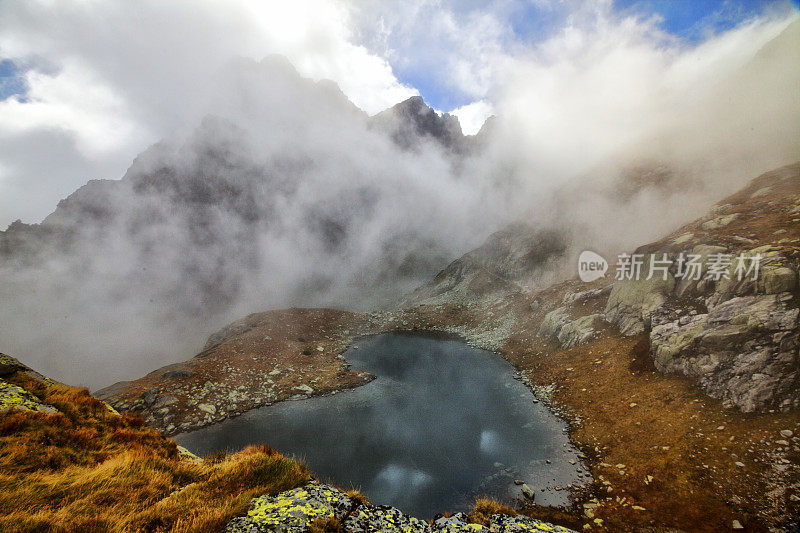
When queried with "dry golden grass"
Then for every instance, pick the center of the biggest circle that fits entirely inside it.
(357, 497)
(87, 469)
(485, 507)
(328, 525)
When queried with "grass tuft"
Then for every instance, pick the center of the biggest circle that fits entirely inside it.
(485, 507)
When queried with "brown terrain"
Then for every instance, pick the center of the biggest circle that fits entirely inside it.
(259, 360)
(682, 434)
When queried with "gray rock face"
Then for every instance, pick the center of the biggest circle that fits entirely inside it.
(737, 336)
(553, 322)
(631, 302)
(744, 350)
(295, 510)
(579, 330)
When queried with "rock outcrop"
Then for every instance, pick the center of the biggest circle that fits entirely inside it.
(734, 327)
(744, 350)
(568, 332)
(296, 510)
(13, 397)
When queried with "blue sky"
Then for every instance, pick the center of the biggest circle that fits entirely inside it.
(11, 80)
(693, 21)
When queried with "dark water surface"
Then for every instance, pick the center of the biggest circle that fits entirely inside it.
(442, 423)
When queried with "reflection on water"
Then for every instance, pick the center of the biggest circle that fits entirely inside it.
(442, 423)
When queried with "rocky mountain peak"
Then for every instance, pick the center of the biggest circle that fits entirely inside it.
(412, 121)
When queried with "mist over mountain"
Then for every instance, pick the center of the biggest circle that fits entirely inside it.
(287, 194)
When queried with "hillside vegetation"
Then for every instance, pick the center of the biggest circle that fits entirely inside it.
(84, 467)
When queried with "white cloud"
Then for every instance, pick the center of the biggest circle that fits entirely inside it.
(605, 83)
(472, 116)
(121, 76)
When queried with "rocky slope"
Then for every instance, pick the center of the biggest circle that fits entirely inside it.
(735, 333)
(258, 360)
(682, 393)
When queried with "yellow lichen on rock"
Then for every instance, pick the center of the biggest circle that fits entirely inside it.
(15, 397)
(296, 510)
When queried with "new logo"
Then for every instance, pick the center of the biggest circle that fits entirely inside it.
(591, 266)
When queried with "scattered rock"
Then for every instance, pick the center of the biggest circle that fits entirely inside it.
(305, 389)
(208, 408)
(719, 222)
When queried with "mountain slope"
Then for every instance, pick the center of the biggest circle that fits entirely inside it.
(289, 196)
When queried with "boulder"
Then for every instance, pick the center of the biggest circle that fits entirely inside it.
(579, 331)
(14, 397)
(553, 322)
(632, 301)
(528, 492)
(774, 280)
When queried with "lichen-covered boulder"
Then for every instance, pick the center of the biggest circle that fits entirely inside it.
(296, 510)
(13, 397)
(519, 524)
(367, 519)
(498, 523)
(292, 511)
